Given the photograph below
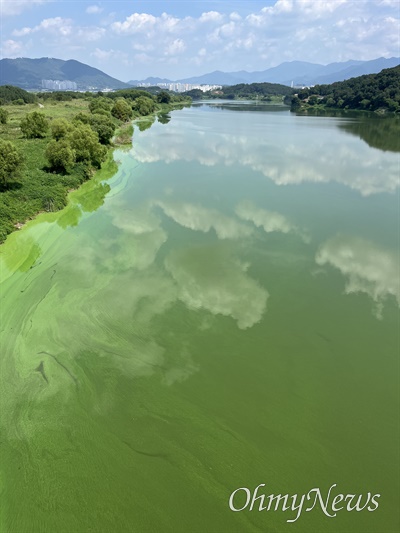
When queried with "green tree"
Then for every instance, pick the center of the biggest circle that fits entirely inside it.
(100, 104)
(85, 142)
(103, 126)
(3, 116)
(121, 110)
(34, 125)
(60, 154)
(101, 111)
(10, 162)
(163, 97)
(59, 128)
(81, 117)
(196, 94)
(296, 103)
(364, 104)
(8, 93)
(143, 105)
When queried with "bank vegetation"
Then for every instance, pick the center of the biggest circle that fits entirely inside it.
(50, 143)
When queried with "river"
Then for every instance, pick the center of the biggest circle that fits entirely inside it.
(223, 312)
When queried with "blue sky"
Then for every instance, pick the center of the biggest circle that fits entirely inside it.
(176, 39)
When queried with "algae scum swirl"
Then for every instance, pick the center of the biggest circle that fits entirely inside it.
(222, 312)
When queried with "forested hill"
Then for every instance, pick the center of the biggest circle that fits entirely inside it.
(244, 90)
(9, 94)
(29, 73)
(370, 92)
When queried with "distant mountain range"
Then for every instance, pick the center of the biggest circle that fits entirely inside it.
(29, 73)
(298, 72)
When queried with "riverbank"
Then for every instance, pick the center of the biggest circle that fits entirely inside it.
(324, 110)
(40, 189)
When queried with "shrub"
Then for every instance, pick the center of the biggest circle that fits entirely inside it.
(163, 97)
(100, 105)
(10, 162)
(85, 142)
(121, 110)
(3, 116)
(60, 154)
(34, 125)
(103, 126)
(143, 105)
(81, 117)
(59, 128)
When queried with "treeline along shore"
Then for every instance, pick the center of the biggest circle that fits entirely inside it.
(372, 92)
(50, 143)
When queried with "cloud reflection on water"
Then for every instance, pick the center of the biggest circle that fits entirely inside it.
(366, 267)
(270, 221)
(199, 218)
(300, 155)
(208, 278)
(201, 277)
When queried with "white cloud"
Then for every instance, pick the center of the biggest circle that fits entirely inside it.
(137, 22)
(284, 6)
(11, 48)
(22, 32)
(175, 47)
(63, 29)
(169, 24)
(367, 267)
(311, 7)
(15, 7)
(56, 25)
(245, 44)
(235, 16)
(228, 30)
(256, 20)
(94, 10)
(211, 16)
(149, 24)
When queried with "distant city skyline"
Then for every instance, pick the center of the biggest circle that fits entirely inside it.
(175, 40)
(183, 87)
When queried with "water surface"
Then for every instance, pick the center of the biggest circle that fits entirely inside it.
(222, 313)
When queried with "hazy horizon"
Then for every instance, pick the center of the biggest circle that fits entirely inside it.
(177, 40)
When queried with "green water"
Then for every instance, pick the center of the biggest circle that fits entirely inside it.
(223, 312)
